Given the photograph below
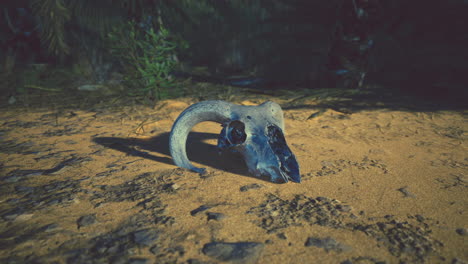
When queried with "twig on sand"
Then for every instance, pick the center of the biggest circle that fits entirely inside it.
(42, 88)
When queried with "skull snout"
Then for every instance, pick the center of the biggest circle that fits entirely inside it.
(265, 152)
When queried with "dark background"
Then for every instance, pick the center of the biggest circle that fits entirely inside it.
(413, 47)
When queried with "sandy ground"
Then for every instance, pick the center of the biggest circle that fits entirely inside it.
(379, 185)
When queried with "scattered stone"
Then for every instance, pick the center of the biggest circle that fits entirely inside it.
(200, 209)
(12, 214)
(177, 250)
(420, 218)
(86, 220)
(343, 208)
(155, 250)
(145, 188)
(462, 231)
(406, 193)
(175, 186)
(56, 193)
(196, 261)
(146, 237)
(49, 228)
(66, 163)
(23, 217)
(20, 175)
(410, 242)
(277, 214)
(252, 186)
(333, 167)
(404, 238)
(116, 246)
(138, 261)
(388, 217)
(119, 260)
(106, 173)
(13, 147)
(24, 189)
(171, 187)
(10, 217)
(215, 216)
(281, 236)
(327, 243)
(364, 260)
(376, 151)
(91, 87)
(241, 252)
(13, 201)
(317, 114)
(342, 117)
(458, 261)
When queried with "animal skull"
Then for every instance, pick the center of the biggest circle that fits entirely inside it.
(256, 132)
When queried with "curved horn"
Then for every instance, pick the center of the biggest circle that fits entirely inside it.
(216, 111)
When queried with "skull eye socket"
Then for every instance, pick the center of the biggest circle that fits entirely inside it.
(235, 132)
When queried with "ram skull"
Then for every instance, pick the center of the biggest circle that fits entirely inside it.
(256, 132)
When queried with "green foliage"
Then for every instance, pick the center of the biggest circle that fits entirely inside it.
(148, 57)
(66, 24)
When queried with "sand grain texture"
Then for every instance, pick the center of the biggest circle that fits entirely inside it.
(379, 186)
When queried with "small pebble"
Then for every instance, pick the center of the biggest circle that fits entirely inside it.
(215, 216)
(49, 227)
(327, 243)
(23, 217)
(86, 220)
(250, 187)
(155, 250)
(145, 237)
(139, 261)
(195, 261)
(462, 231)
(420, 218)
(406, 193)
(171, 187)
(458, 261)
(200, 209)
(281, 236)
(343, 208)
(241, 252)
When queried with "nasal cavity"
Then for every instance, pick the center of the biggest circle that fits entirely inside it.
(276, 138)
